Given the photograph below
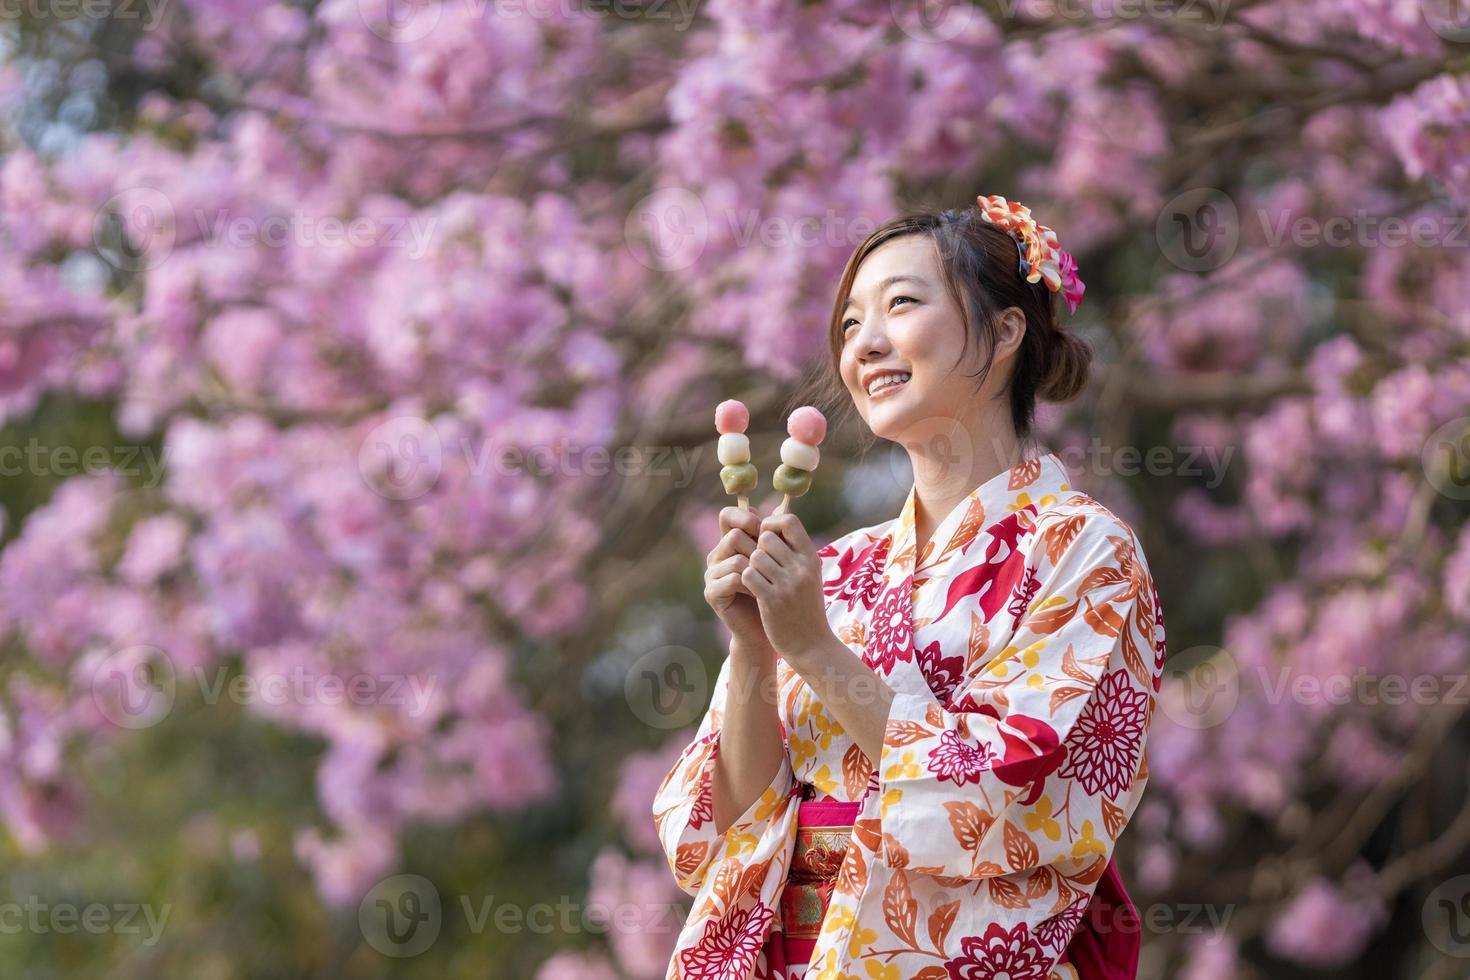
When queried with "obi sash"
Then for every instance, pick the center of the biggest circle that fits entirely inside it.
(822, 831)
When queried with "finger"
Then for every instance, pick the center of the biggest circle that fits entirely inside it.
(728, 584)
(790, 528)
(757, 583)
(745, 520)
(730, 567)
(735, 542)
(733, 564)
(762, 562)
(771, 543)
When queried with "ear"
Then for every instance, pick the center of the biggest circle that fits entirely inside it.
(1010, 331)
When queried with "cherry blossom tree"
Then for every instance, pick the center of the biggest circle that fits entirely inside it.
(397, 328)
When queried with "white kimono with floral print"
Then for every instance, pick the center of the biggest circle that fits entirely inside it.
(1025, 647)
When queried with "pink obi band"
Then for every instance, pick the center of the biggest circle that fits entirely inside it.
(822, 831)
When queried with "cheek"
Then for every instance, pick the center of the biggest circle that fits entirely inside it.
(847, 369)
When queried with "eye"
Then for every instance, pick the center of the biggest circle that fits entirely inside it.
(897, 298)
(845, 323)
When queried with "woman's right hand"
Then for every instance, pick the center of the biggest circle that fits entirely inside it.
(723, 590)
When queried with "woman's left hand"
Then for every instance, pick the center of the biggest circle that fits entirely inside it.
(785, 576)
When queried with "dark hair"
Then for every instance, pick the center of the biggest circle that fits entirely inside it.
(982, 274)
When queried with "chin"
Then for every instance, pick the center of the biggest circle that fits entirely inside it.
(890, 421)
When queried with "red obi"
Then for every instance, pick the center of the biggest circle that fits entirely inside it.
(822, 831)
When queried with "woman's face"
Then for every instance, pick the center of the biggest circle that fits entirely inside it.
(901, 325)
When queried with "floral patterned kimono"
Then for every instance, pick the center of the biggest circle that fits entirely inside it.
(1025, 647)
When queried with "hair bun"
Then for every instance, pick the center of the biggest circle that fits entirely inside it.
(1067, 368)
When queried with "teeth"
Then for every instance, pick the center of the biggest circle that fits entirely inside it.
(886, 380)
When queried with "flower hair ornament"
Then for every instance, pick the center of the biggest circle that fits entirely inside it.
(1041, 258)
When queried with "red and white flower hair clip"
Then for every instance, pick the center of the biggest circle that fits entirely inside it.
(1042, 260)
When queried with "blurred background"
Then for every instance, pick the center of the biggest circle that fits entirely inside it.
(357, 367)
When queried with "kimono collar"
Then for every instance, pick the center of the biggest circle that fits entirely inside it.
(1036, 483)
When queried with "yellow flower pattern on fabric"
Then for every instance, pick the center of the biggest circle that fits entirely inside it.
(1040, 818)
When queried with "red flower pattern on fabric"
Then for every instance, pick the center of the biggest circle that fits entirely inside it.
(943, 673)
(892, 635)
(861, 579)
(1104, 745)
(1057, 931)
(1000, 955)
(959, 761)
(728, 947)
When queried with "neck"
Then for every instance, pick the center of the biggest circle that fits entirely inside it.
(952, 460)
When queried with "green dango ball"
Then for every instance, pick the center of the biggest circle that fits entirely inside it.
(738, 479)
(790, 480)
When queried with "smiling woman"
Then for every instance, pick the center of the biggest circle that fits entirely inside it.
(964, 692)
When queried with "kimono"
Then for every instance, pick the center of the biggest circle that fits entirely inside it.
(1025, 646)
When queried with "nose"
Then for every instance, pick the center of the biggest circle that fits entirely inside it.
(871, 341)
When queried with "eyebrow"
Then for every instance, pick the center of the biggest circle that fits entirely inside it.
(889, 282)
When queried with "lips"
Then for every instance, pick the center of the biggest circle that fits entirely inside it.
(887, 383)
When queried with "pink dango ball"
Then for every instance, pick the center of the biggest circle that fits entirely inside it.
(731, 415)
(807, 425)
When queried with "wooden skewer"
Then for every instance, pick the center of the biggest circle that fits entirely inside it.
(783, 506)
(743, 501)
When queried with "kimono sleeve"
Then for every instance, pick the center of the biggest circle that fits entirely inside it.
(1038, 758)
(683, 809)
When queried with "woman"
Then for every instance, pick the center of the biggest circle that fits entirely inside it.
(929, 733)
